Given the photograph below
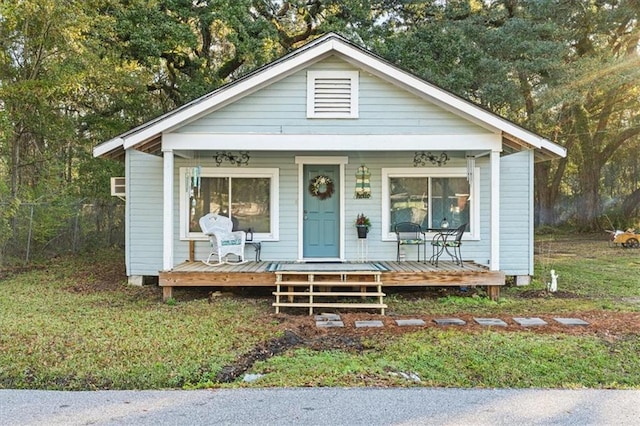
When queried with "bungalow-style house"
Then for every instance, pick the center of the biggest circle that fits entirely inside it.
(297, 149)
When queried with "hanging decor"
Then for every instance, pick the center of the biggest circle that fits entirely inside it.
(322, 187)
(194, 181)
(363, 185)
(471, 165)
(420, 159)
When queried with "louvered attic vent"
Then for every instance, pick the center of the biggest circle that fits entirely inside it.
(332, 94)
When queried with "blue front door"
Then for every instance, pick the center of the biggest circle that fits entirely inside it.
(321, 220)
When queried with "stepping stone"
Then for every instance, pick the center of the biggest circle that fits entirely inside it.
(530, 322)
(409, 322)
(329, 324)
(327, 317)
(449, 321)
(490, 322)
(373, 323)
(571, 321)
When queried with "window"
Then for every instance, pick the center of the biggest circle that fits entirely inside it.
(248, 196)
(427, 197)
(332, 94)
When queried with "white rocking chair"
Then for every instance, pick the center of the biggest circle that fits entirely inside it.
(223, 239)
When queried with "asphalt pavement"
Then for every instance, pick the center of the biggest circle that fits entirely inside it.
(322, 406)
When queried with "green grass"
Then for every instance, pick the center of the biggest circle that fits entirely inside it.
(68, 325)
(454, 358)
(56, 338)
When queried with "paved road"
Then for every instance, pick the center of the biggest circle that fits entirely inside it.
(322, 406)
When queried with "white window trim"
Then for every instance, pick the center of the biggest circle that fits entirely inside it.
(272, 173)
(474, 217)
(312, 76)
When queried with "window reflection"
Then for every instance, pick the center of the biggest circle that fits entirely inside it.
(428, 201)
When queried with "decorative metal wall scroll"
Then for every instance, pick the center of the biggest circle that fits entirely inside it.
(363, 185)
(241, 159)
(421, 159)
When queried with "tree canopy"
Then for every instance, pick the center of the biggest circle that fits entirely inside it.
(74, 73)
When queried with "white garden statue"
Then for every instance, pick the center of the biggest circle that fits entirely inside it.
(553, 285)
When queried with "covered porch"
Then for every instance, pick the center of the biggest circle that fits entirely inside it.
(343, 274)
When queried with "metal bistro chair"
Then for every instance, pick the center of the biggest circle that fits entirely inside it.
(223, 240)
(449, 241)
(409, 233)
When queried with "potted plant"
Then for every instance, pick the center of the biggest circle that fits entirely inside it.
(362, 225)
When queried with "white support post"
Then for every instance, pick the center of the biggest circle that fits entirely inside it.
(494, 262)
(167, 207)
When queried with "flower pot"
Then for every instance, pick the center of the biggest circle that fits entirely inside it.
(362, 231)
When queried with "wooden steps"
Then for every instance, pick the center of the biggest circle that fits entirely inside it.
(318, 285)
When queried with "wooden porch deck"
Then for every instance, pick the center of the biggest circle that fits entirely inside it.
(393, 274)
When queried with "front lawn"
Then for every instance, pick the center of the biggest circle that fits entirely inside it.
(75, 324)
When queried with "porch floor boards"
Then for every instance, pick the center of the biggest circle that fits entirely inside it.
(398, 274)
(263, 266)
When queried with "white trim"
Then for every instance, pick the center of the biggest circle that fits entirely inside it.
(274, 195)
(494, 219)
(301, 161)
(304, 56)
(108, 146)
(266, 76)
(474, 216)
(531, 212)
(312, 80)
(321, 160)
(443, 98)
(167, 213)
(337, 142)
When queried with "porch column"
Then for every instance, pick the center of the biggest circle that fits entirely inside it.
(167, 211)
(494, 220)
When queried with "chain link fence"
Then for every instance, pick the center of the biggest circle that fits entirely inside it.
(33, 231)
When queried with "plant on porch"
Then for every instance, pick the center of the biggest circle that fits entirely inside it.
(363, 223)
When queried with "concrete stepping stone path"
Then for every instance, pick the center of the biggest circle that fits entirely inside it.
(328, 320)
(373, 323)
(571, 321)
(410, 322)
(530, 322)
(449, 321)
(490, 322)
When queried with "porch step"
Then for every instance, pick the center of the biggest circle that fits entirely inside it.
(382, 306)
(319, 280)
(332, 283)
(328, 293)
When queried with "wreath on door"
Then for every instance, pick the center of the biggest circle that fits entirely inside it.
(322, 187)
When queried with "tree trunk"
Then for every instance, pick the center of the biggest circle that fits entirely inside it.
(631, 204)
(588, 205)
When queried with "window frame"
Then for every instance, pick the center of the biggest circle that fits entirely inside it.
(217, 172)
(312, 76)
(440, 172)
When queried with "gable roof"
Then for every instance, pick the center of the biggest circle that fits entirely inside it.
(149, 133)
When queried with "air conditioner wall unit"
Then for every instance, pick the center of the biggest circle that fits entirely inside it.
(118, 187)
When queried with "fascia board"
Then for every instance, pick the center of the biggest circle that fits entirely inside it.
(267, 76)
(107, 147)
(448, 101)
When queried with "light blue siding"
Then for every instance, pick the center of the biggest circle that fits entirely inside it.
(516, 222)
(287, 247)
(281, 109)
(143, 213)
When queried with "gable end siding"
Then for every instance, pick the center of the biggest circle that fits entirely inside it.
(281, 108)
